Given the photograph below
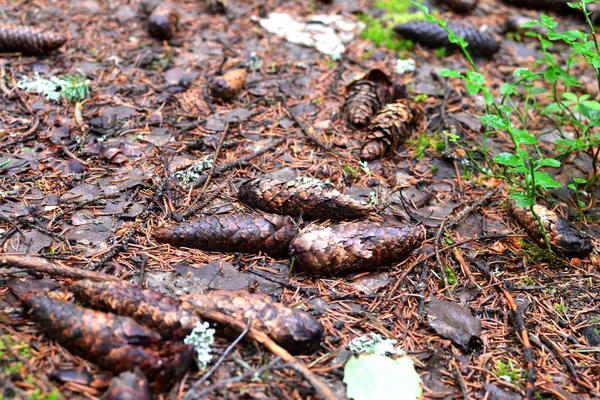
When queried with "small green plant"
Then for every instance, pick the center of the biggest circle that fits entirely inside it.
(39, 395)
(561, 311)
(425, 141)
(73, 88)
(575, 186)
(450, 276)
(508, 372)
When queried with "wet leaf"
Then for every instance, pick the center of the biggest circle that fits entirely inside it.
(454, 322)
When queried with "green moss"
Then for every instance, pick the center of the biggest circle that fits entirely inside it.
(424, 141)
(393, 6)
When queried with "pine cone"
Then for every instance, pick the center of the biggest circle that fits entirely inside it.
(162, 23)
(431, 34)
(229, 85)
(351, 247)
(128, 386)
(113, 342)
(236, 232)
(293, 329)
(26, 40)
(392, 126)
(366, 96)
(311, 200)
(564, 238)
(159, 312)
(461, 6)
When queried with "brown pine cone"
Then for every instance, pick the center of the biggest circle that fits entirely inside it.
(293, 329)
(310, 200)
(128, 386)
(432, 35)
(366, 96)
(27, 40)
(162, 23)
(229, 85)
(159, 312)
(564, 238)
(392, 126)
(244, 233)
(113, 342)
(351, 247)
(461, 6)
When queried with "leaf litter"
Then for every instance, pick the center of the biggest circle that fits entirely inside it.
(89, 185)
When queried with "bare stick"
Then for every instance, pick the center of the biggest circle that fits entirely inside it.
(41, 265)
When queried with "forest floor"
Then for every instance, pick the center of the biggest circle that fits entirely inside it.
(88, 191)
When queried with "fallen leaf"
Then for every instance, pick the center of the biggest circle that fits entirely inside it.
(454, 322)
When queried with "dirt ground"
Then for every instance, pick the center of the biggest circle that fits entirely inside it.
(88, 191)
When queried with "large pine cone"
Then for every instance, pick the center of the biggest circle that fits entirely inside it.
(390, 128)
(431, 34)
(310, 200)
(564, 238)
(366, 96)
(244, 233)
(26, 40)
(352, 247)
(160, 312)
(295, 330)
(162, 23)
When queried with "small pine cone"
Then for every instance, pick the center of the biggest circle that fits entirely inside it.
(307, 199)
(461, 6)
(26, 40)
(352, 247)
(128, 386)
(564, 238)
(162, 23)
(233, 233)
(431, 34)
(365, 97)
(228, 86)
(113, 342)
(151, 309)
(390, 128)
(293, 329)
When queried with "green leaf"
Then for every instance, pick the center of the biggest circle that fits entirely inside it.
(542, 179)
(494, 121)
(579, 180)
(521, 199)
(472, 88)
(523, 72)
(507, 89)
(451, 73)
(547, 162)
(373, 377)
(523, 137)
(507, 159)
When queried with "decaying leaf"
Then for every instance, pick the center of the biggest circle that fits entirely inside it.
(461, 6)
(454, 322)
(431, 34)
(564, 238)
(159, 312)
(162, 23)
(27, 40)
(392, 126)
(234, 232)
(308, 199)
(229, 85)
(377, 377)
(113, 342)
(366, 96)
(128, 386)
(293, 329)
(351, 247)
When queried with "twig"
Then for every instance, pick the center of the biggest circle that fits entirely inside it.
(207, 97)
(192, 391)
(519, 323)
(214, 160)
(41, 265)
(304, 289)
(201, 204)
(459, 378)
(244, 159)
(273, 347)
(303, 128)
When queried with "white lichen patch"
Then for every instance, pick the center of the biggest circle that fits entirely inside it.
(201, 339)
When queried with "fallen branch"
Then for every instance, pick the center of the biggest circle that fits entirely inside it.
(41, 265)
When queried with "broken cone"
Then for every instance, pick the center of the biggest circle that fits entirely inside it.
(162, 23)
(390, 128)
(351, 247)
(564, 238)
(229, 85)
